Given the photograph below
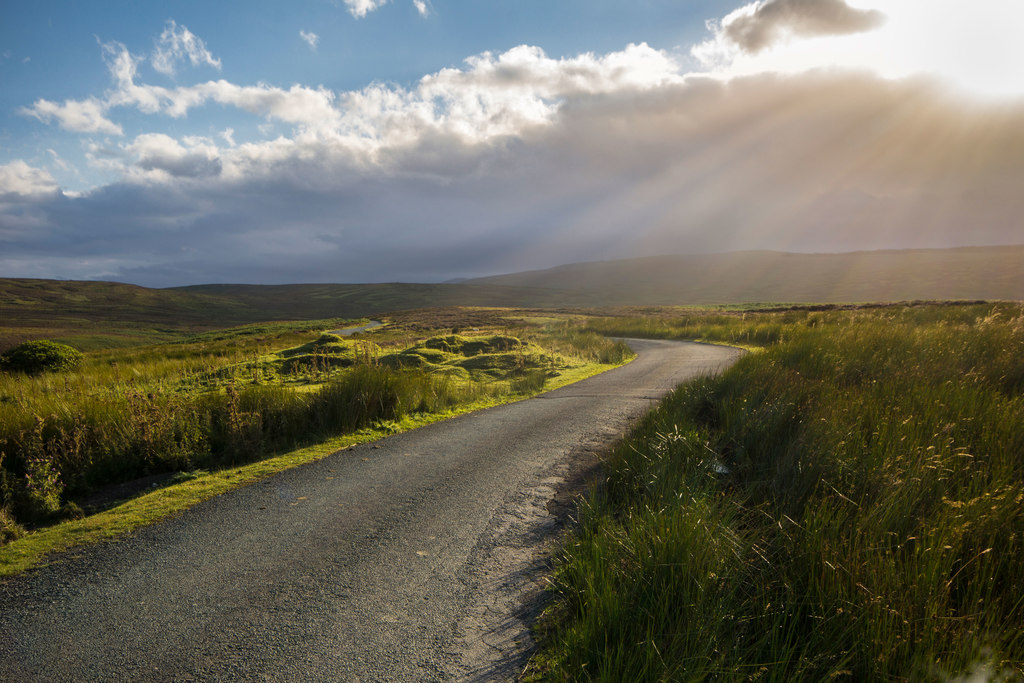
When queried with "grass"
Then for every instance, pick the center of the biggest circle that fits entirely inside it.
(847, 504)
(220, 401)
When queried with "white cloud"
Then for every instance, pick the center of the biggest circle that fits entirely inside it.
(162, 154)
(422, 7)
(299, 104)
(58, 160)
(311, 107)
(78, 116)
(360, 8)
(498, 95)
(176, 44)
(311, 38)
(123, 67)
(492, 96)
(18, 178)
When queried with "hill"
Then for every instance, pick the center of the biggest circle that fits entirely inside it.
(93, 314)
(770, 276)
(103, 314)
(311, 301)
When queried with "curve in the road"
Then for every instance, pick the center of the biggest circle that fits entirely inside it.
(407, 559)
(349, 331)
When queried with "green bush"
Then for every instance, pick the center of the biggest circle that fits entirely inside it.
(10, 530)
(41, 355)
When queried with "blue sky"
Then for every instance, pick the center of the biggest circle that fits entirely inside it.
(53, 50)
(352, 140)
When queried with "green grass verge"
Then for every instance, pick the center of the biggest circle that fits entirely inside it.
(33, 549)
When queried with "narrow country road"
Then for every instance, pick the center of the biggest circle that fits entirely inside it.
(349, 331)
(411, 559)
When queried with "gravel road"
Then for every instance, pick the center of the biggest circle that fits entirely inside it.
(414, 558)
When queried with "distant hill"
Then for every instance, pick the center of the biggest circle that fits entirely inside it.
(102, 314)
(95, 314)
(290, 302)
(772, 276)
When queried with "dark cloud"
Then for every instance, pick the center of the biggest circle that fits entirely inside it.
(186, 166)
(774, 20)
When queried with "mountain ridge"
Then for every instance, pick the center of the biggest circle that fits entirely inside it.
(995, 272)
(94, 312)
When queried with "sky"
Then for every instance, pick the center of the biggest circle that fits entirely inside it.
(182, 142)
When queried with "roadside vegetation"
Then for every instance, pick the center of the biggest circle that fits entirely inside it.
(846, 504)
(71, 439)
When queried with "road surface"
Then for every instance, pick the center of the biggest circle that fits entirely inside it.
(413, 558)
(349, 331)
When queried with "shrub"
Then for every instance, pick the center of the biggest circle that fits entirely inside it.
(41, 355)
(10, 530)
(531, 382)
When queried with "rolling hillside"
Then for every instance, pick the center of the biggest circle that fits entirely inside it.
(288, 302)
(90, 314)
(770, 276)
(103, 314)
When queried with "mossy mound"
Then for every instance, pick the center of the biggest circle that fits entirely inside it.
(472, 346)
(491, 357)
(326, 353)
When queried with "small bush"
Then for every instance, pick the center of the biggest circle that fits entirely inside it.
(530, 383)
(41, 355)
(10, 530)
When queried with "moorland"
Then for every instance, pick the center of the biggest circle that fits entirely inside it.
(846, 502)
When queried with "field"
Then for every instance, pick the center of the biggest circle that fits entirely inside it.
(75, 443)
(847, 503)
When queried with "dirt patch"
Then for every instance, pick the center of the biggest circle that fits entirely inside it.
(516, 559)
(583, 478)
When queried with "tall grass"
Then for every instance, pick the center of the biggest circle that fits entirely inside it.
(130, 434)
(572, 339)
(201, 404)
(848, 504)
(745, 329)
